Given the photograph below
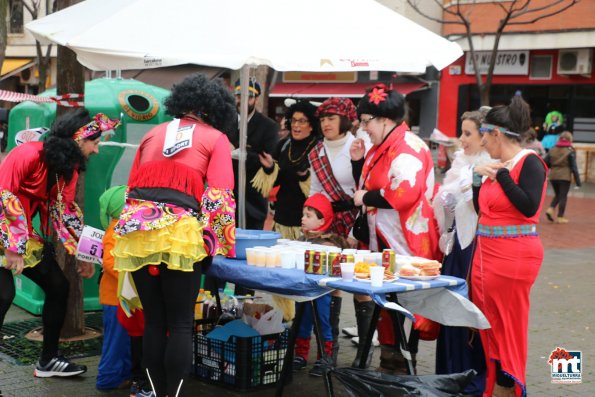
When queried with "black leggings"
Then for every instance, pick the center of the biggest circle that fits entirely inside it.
(168, 301)
(561, 189)
(50, 278)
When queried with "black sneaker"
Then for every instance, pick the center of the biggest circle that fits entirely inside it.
(316, 369)
(299, 363)
(59, 366)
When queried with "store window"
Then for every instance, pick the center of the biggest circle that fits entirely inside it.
(15, 12)
(540, 67)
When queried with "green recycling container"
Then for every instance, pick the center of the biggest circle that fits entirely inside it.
(140, 107)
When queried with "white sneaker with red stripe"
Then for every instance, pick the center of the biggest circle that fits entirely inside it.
(58, 366)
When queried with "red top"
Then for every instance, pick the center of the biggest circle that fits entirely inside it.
(24, 173)
(187, 170)
(401, 168)
(495, 207)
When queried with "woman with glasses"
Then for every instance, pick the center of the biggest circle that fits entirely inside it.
(330, 167)
(289, 169)
(457, 350)
(395, 188)
(508, 196)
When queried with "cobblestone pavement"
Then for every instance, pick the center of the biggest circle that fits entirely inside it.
(562, 315)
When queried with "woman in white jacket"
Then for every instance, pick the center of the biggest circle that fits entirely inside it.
(332, 175)
(457, 349)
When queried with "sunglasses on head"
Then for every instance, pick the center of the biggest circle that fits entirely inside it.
(491, 127)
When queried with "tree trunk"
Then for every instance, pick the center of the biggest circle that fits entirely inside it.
(70, 79)
(261, 76)
(3, 30)
(484, 94)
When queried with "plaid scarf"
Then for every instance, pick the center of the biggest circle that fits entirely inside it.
(343, 220)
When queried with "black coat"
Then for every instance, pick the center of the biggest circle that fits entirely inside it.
(262, 137)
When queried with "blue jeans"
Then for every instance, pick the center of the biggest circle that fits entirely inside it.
(115, 364)
(323, 305)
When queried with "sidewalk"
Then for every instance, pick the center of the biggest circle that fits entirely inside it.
(561, 316)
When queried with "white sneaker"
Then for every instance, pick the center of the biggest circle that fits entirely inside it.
(350, 331)
(375, 343)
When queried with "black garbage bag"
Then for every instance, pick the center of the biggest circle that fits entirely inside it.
(364, 383)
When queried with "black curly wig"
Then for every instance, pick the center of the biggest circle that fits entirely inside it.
(62, 153)
(308, 110)
(211, 100)
(393, 106)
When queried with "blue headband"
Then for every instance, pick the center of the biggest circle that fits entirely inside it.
(491, 127)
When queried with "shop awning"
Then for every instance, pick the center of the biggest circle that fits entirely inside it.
(325, 90)
(12, 66)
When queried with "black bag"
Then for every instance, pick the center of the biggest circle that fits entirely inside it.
(361, 230)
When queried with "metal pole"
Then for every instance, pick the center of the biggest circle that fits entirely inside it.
(244, 78)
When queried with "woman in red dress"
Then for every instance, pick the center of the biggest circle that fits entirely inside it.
(509, 196)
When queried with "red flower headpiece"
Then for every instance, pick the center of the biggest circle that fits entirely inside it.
(378, 94)
(340, 106)
(101, 123)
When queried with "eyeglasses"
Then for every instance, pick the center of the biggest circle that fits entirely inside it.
(364, 123)
(299, 121)
(491, 127)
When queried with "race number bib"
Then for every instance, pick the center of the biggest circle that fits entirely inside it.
(90, 246)
(177, 138)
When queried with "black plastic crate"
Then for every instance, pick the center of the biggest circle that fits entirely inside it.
(241, 363)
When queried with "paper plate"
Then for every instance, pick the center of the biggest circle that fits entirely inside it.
(419, 278)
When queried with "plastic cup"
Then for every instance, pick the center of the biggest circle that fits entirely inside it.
(260, 255)
(376, 276)
(299, 259)
(287, 259)
(272, 258)
(347, 271)
(349, 251)
(250, 256)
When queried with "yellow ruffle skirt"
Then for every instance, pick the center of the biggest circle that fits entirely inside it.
(179, 245)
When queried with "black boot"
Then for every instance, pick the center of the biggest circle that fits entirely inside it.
(363, 317)
(335, 313)
(393, 362)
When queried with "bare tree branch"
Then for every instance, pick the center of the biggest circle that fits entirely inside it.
(502, 7)
(550, 5)
(537, 18)
(431, 18)
(511, 12)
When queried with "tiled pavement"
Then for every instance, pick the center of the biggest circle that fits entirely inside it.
(562, 315)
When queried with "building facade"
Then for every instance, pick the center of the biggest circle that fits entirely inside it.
(550, 62)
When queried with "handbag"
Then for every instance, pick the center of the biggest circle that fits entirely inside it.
(361, 229)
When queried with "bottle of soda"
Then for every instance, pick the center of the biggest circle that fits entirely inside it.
(198, 307)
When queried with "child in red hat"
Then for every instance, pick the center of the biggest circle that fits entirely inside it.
(317, 217)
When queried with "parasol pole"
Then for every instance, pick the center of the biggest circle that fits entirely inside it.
(241, 199)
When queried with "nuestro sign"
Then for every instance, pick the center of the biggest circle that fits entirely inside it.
(507, 62)
(320, 77)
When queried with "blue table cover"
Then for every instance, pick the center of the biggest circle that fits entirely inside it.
(443, 299)
(290, 283)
